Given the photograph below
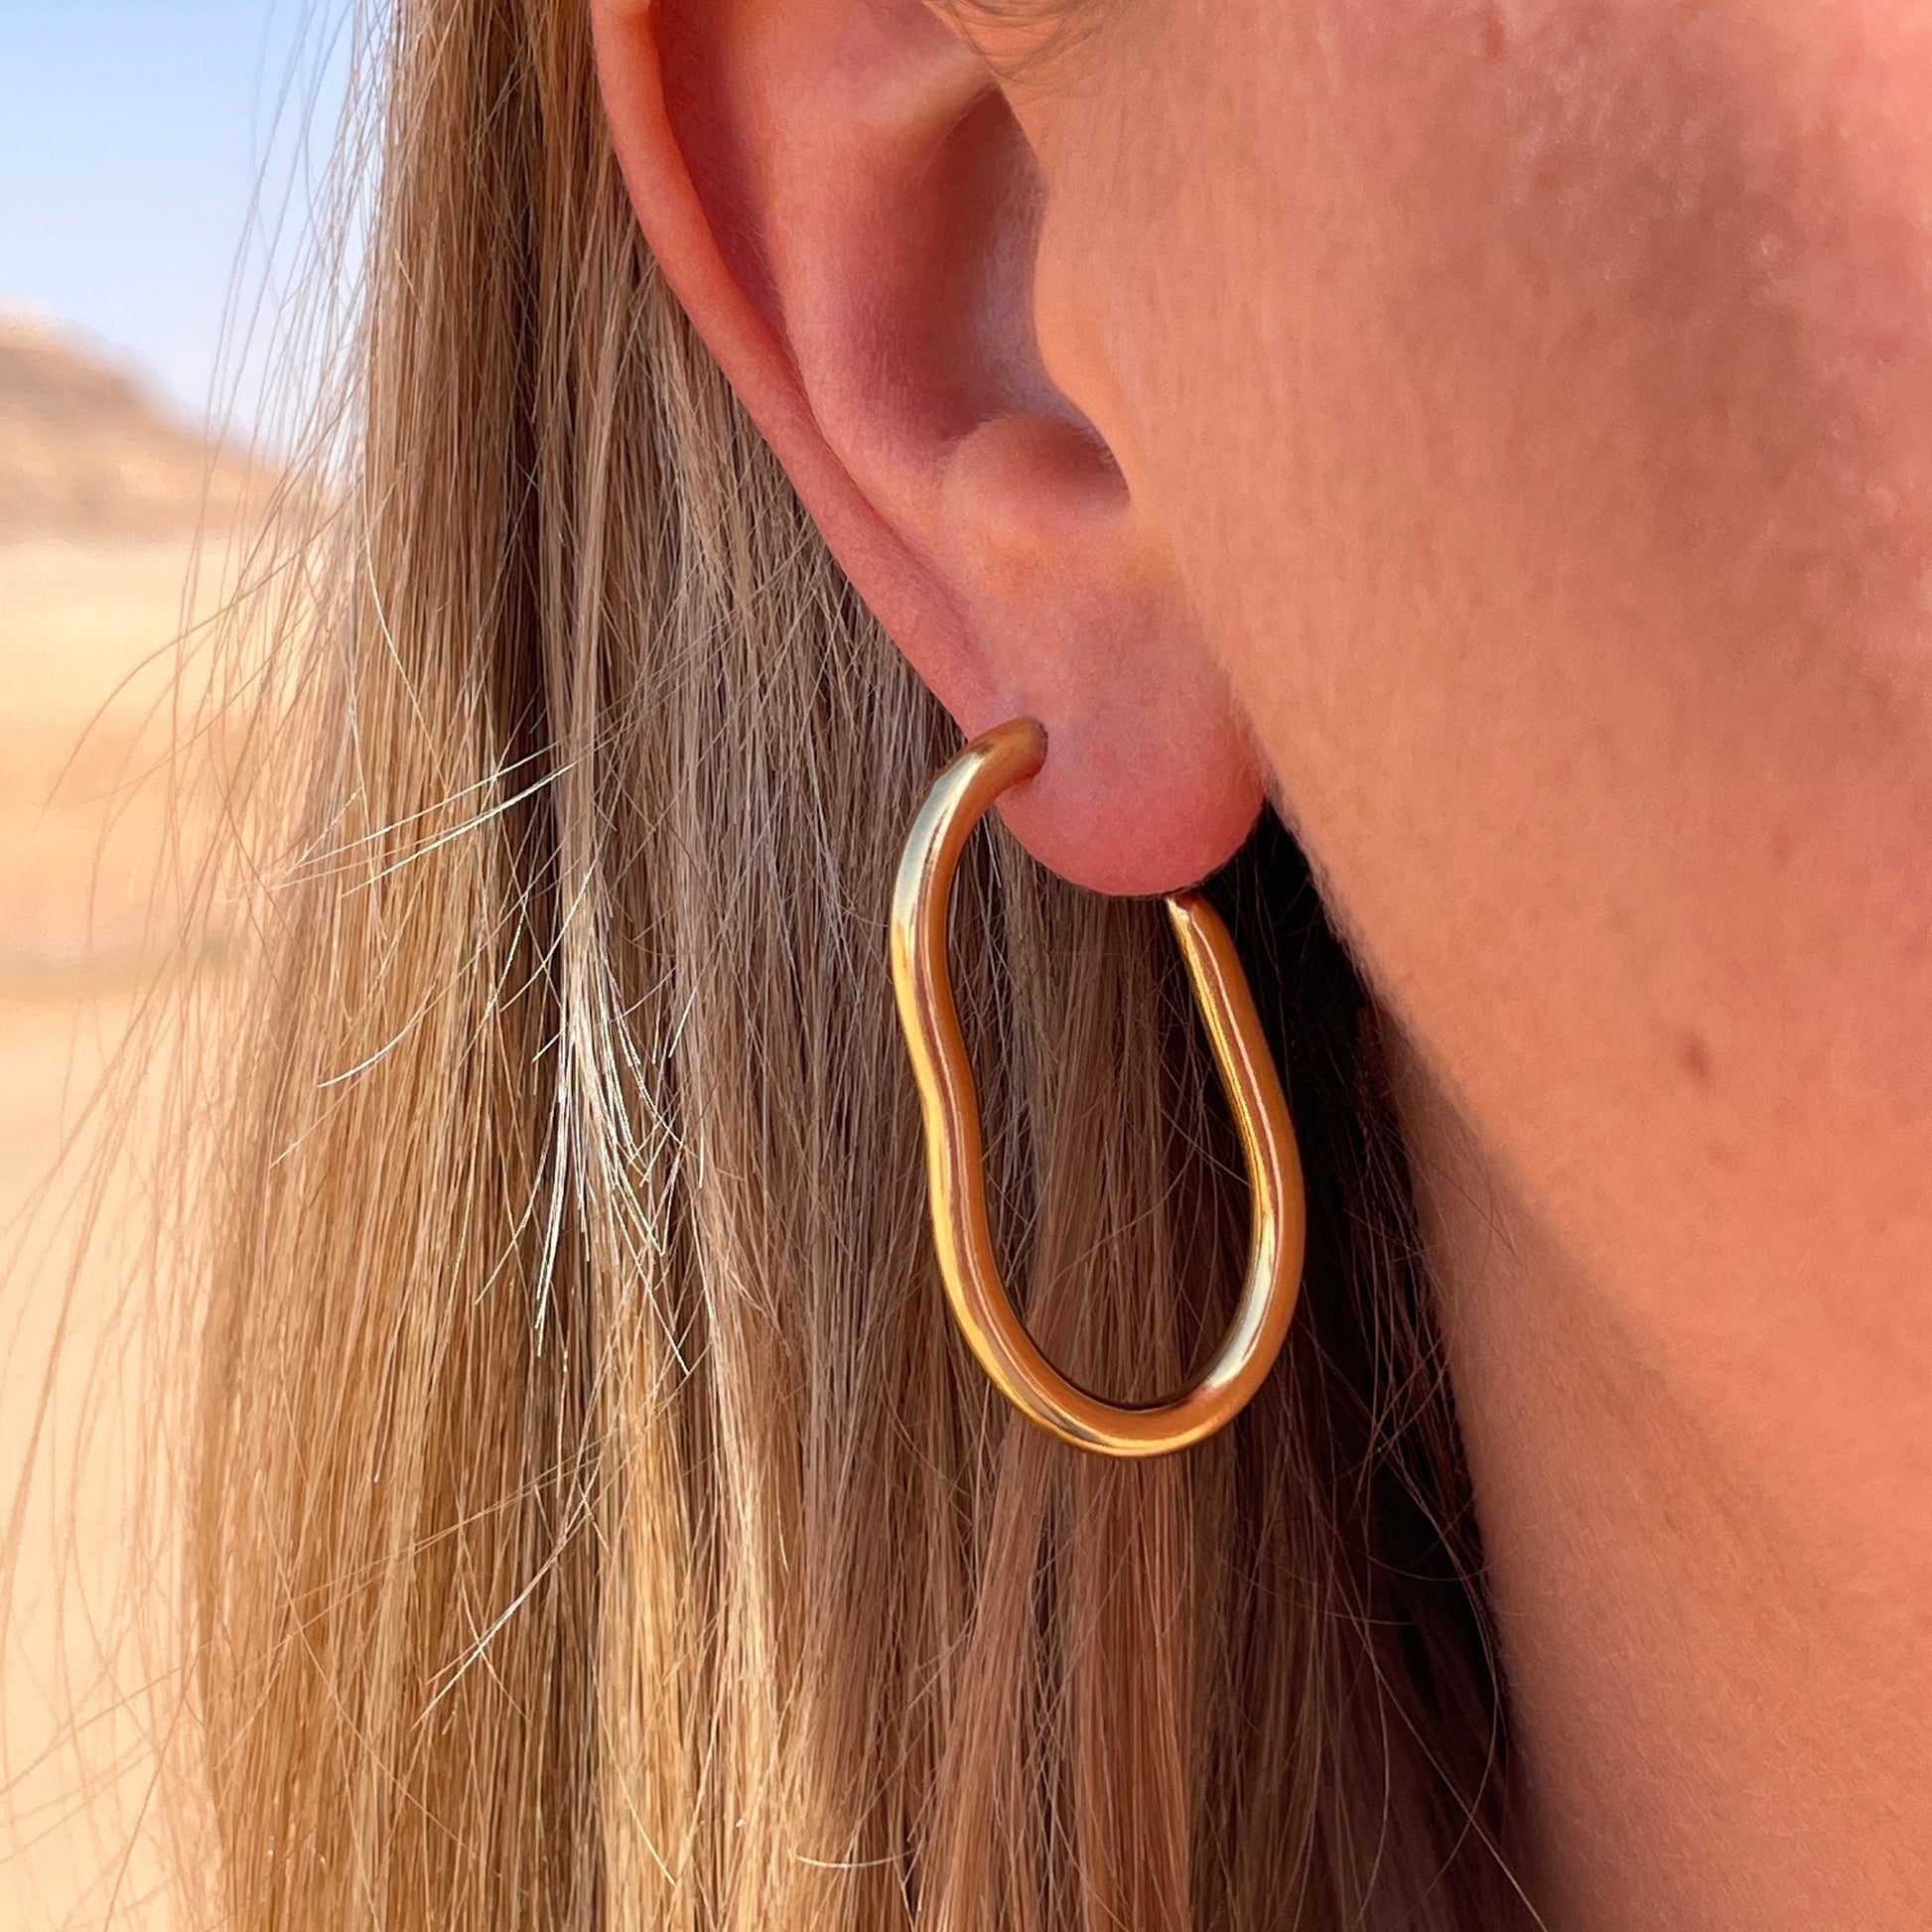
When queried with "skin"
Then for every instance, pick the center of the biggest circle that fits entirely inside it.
(1502, 434)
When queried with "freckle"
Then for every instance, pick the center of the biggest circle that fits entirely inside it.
(1694, 1056)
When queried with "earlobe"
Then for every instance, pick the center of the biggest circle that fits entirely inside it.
(842, 198)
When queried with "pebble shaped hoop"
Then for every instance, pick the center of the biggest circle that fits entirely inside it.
(921, 902)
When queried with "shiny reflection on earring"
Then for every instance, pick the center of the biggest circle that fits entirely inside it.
(921, 902)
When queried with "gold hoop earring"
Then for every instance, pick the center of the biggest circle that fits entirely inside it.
(956, 1170)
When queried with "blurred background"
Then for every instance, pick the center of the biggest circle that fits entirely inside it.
(163, 332)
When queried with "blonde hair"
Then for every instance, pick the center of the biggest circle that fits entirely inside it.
(596, 1521)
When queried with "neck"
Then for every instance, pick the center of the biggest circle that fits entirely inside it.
(1695, 1708)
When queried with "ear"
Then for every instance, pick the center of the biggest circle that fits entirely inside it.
(843, 201)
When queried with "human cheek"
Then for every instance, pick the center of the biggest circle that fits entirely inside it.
(1643, 268)
(1539, 399)
(1662, 271)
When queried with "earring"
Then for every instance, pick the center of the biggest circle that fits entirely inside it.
(956, 1170)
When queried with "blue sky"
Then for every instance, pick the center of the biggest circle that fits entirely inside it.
(133, 137)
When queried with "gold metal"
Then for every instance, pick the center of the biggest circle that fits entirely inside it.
(921, 901)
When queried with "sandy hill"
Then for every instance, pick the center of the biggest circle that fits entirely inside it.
(87, 452)
(102, 494)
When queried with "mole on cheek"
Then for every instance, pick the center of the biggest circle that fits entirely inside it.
(1694, 1056)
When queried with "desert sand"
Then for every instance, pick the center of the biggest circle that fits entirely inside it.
(101, 495)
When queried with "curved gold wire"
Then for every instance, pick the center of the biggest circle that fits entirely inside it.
(921, 901)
